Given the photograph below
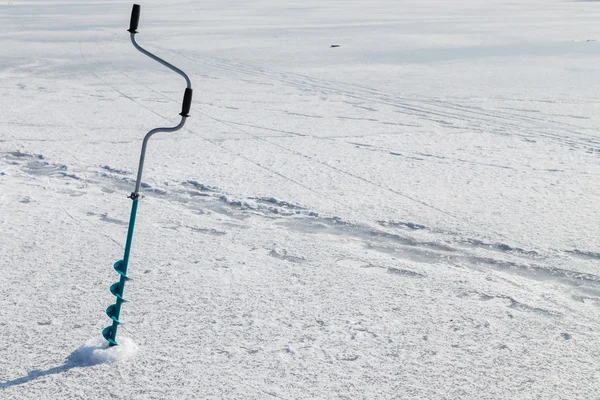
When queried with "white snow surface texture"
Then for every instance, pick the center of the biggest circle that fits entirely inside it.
(412, 215)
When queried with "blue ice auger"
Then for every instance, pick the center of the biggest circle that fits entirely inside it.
(114, 311)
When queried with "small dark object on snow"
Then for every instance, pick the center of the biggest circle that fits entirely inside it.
(336, 45)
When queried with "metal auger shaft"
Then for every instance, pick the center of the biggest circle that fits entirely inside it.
(117, 289)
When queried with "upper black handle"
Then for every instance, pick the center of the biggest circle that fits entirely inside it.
(135, 19)
(187, 103)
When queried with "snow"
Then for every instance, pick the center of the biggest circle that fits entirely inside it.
(410, 215)
(97, 351)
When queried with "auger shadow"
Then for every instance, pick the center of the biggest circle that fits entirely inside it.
(74, 360)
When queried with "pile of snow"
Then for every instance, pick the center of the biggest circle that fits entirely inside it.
(97, 351)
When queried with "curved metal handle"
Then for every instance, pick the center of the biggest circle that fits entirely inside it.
(187, 96)
(160, 60)
(138, 181)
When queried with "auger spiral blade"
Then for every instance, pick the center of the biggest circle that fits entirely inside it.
(113, 314)
(121, 269)
(107, 333)
(116, 289)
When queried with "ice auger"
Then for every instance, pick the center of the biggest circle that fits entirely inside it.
(114, 311)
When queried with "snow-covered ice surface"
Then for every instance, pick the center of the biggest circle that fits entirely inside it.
(413, 214)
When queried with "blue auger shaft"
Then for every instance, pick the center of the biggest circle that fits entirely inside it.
(117, 289)
(114, 311)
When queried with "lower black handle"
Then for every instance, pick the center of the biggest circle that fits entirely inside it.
(187, 103)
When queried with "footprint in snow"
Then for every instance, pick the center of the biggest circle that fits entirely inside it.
(282, 254)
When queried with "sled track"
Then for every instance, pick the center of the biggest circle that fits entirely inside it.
(497, 121)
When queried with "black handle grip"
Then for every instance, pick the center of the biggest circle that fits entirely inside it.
(187, 103)
(135, 19)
